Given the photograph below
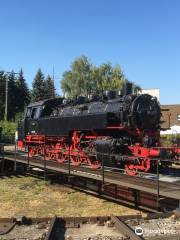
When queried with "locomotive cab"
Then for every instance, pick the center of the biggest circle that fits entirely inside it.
(32, 115)
(35, 111)
(29, 125)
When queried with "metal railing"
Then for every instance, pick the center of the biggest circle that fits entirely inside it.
(102, 171)
(9, 139)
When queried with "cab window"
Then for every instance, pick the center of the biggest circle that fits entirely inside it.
(36, 113)
(28, 113)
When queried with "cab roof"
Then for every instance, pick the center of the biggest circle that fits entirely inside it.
(46, 101)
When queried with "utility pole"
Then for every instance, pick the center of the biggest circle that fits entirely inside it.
(6, 96)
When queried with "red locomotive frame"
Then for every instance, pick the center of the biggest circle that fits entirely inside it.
(62, 149)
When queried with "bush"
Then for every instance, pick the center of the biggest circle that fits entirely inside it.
(8, 131)
(169, 140)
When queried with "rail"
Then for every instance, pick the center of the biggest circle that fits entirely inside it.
(125, 229)
(58, 224)
(52, 229)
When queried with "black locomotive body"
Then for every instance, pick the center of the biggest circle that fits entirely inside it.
(57, 117)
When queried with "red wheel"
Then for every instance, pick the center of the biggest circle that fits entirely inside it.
(146, 164)
(94, 163)
(60, 158)
(31, 152)
(75, 160)
(131, 170)
(48, 156)
(142, 165)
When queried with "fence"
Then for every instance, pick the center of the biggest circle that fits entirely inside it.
(10, 139)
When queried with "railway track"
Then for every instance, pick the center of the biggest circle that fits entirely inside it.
(148, 194)
(120, 229)
(131, 227)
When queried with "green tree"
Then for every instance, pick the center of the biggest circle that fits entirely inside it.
(107, 77)
(83, 78)
(3, 77)
(38, 87)
(78, 80)
(22, 92)
(12, 93)
(49, 87)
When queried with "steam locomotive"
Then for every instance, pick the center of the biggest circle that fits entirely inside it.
(120, 130)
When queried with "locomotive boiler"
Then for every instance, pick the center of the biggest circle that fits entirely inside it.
(113, 129)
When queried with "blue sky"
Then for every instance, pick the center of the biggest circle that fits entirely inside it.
(142, 36)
